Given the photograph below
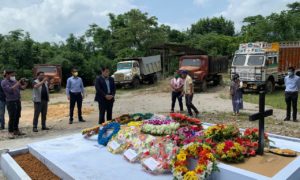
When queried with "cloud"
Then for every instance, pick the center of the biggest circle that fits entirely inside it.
(54, 20)
(200, 2)
(237, 10)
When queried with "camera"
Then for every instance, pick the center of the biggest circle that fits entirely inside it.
(24, 81)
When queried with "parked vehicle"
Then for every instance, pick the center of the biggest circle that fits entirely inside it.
(204, 69)
(265, 64)
(133, 71)
(53, 72)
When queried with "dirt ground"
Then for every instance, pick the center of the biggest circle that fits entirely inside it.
(213, 108)
(156, 99)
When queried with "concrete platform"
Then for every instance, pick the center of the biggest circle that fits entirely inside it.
(73, 157)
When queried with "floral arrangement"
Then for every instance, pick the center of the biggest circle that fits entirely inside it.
(122, 140)
(160, 127)
(134, 123)
(249, 140)
(88, 132)
(188, 134)
(140, 116)
(205, 164)
(230, 151)
(139, 146)
(183, 119)
(103, 140)
(221, 132)
(161, 152)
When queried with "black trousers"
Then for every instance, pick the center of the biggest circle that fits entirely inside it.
(189, 104)
(105, 107)
(177, 95)
(40, 108)
(291, 98)
(14, 113)
(75, 98)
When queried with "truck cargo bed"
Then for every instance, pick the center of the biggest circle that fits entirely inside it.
(218, 64)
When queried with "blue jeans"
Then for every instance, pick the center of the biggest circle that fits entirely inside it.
(2, 113)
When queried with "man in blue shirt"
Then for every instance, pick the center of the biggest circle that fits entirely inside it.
(75, 94)
(292, 87)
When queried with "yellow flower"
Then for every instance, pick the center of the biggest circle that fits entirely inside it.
(191, 175)
(181, 157)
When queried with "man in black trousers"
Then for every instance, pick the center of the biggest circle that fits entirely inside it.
(105, 94)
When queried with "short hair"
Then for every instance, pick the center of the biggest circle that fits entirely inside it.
(9, 71)
(104, 68)
(291, 69)
(74, 69)
(40, 72)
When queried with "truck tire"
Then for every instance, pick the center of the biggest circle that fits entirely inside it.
(203, 86)
(270, 86)
(153, 79)
(136, 83)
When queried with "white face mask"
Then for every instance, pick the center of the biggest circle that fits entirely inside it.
(13, 78)
(290, 73)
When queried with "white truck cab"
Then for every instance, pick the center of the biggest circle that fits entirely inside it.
(257, 65)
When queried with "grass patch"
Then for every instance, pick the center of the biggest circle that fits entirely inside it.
(275, 99)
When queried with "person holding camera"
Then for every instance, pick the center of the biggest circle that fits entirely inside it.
(11, 88)
(40, 99)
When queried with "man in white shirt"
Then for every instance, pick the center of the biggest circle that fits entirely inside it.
(188, 91)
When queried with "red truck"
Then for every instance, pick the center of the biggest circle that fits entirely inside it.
(53, 72)
(204, 69)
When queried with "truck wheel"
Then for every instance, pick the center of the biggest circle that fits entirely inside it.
(270, 86)
(136, 83)
(204, 86)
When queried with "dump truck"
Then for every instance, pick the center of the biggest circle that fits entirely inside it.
(263, 65)
(52, 72)
(134, 71)
(204, 69)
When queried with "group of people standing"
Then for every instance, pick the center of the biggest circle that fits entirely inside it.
(10, 97)
(182, 86)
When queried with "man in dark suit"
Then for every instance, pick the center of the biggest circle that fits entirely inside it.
(105, 94)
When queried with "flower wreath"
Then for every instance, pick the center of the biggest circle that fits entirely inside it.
(160, 127)
(104, 140)
(206, 162)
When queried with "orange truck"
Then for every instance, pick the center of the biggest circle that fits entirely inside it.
(265, 64)
(204, 69)
(53, 72)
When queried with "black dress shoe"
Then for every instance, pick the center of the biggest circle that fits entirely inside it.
(45, 128)
(2, 128)
(35, 130)
(287, 119)
(82, 120)
(18, 133)
(295, 120)
(70, 122)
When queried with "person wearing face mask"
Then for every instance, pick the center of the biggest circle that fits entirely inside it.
(236, 95)
(292, 87)
(177, 88)
(75, 94)
(105, 95)
(40, 98)
(11, 88)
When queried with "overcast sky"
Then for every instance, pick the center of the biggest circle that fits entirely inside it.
(54, 20)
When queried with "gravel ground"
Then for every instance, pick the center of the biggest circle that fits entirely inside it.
(157, 99)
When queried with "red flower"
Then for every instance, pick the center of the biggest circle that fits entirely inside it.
(252, 152)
